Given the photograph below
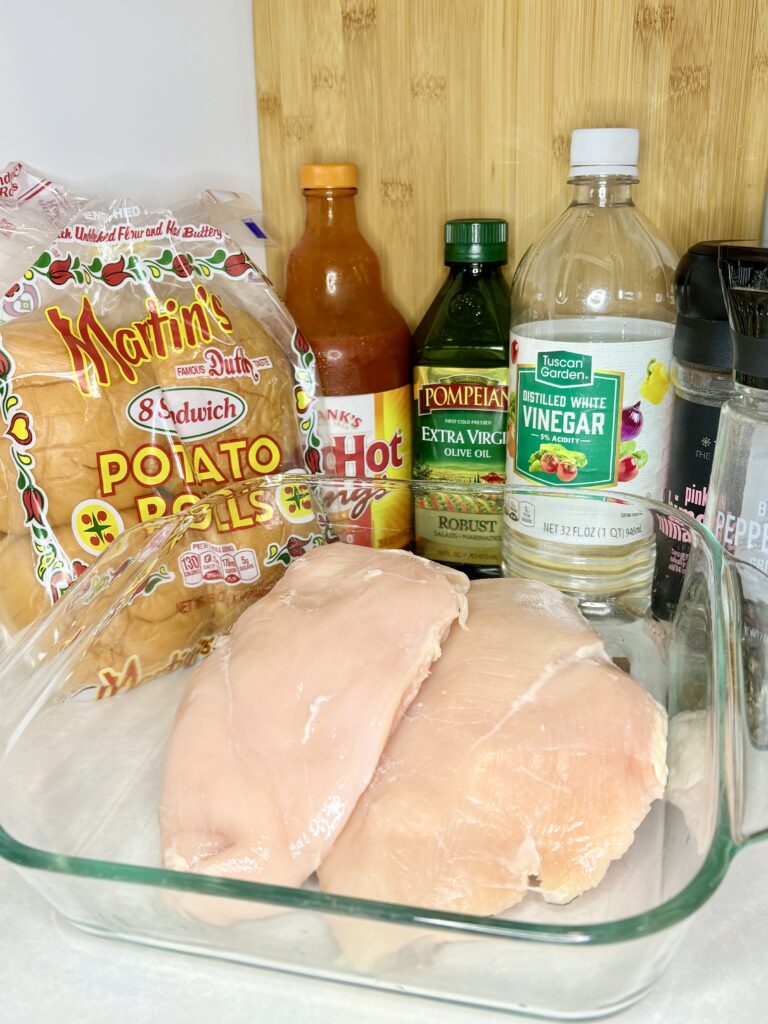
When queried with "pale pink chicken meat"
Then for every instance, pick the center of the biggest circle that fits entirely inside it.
(280, 730)
(526, 761)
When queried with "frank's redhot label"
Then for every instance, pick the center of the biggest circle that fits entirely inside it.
(370, 437)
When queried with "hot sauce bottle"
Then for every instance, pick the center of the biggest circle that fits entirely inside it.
(363, 350)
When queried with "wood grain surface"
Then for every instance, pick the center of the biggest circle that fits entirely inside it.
(455, 108)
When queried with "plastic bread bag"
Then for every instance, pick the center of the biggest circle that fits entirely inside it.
(33, 209)
(145, 362)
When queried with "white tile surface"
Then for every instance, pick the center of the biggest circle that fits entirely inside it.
(51, 973)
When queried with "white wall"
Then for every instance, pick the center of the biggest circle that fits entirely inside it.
(149, 98)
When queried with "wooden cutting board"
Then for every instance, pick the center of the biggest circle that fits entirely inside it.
(455, 108)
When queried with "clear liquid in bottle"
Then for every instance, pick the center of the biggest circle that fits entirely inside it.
(590, 398)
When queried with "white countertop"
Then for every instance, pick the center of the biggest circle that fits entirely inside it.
(52, 974)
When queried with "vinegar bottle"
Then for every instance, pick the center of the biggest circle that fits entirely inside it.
(363, 350)
(590, 397)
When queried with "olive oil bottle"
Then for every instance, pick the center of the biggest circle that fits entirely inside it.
(460, 391)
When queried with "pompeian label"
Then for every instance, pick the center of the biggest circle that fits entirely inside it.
(460, 393)
(461, 424)
(460, 436)
(568, 420)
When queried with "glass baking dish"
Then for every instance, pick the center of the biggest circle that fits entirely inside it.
(80, 778)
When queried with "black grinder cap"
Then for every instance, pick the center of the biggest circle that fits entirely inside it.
(702, 335)
(744, 275)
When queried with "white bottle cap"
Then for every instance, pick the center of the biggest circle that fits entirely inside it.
(602, 151)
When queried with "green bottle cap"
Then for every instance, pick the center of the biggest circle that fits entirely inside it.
(476, 241)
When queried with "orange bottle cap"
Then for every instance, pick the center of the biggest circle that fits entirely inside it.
(329, 176)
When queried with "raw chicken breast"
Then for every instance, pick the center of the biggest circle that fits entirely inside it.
(280, 730)
(527, 761)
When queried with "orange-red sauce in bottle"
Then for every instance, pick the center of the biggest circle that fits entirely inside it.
(363, 350)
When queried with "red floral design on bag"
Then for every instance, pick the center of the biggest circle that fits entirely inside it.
(312, 460)
(182, 266)
(237, 264)
(34, 504)
(60, 271)
(114, 274)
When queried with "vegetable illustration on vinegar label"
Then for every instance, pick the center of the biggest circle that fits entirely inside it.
(654, 387)
(631, 460)
(554, 458)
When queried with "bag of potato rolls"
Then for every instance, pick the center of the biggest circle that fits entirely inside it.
(145, 362)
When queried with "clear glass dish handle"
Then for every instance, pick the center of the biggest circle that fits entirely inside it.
(745, 601)
(35, 669)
